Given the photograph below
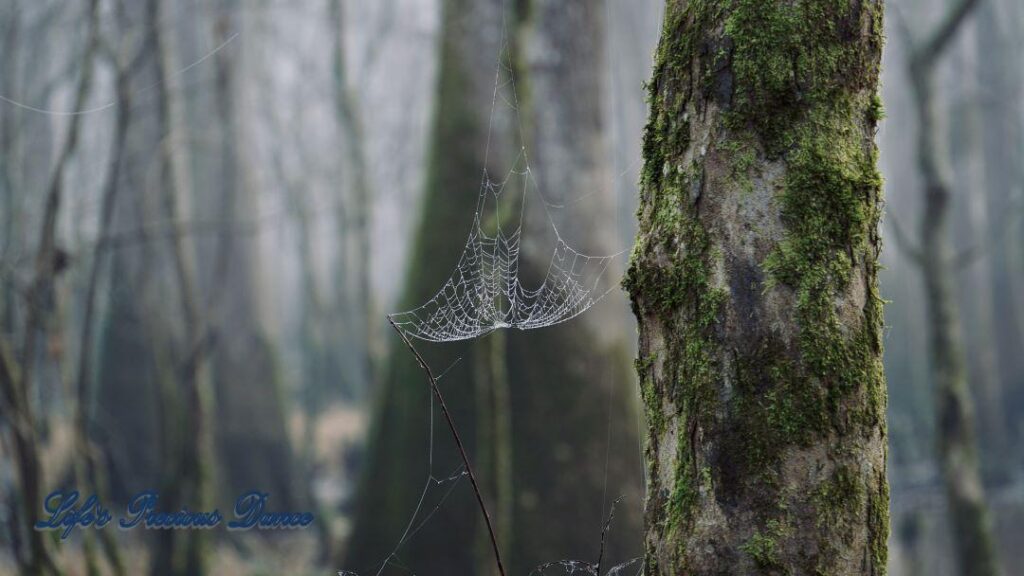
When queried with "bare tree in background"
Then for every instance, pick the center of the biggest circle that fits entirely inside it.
(354, 215)
(188, 467)
(251, 435)
(955, 419)
(17, 372)
(559, 54)
(388, 490)
(89, 471)
(540, 411)
(1001, 86)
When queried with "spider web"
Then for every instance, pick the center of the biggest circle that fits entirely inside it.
(485, 292)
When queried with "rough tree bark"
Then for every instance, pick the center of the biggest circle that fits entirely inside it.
(955, 418)
(754, 280)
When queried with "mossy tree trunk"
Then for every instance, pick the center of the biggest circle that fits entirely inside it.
(754, 279)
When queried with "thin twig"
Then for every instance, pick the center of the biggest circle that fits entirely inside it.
(903, 241)
(458, 441)
(604, 534)
(929, 51)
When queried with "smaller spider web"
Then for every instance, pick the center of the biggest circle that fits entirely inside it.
(485, 293)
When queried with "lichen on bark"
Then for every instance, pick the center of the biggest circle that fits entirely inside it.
(754, 279)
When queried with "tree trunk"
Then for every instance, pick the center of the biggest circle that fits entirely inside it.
(186, 478)
(356, 303)
(954, 411)
(572, 389)
(398, 457)
(127, 437)
(955, 427)
(89, 474)
(971, 225)
(754, 279)
(999, 81)
(17, 377)
(9, 143)
(252, 436)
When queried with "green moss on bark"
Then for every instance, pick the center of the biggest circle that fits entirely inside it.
(793, 85)
(792, 57)
(763, 546)
(680, 294)
(806, 94)
(878, 523)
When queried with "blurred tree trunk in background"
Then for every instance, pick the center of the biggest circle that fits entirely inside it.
(971, 226)
(356, 302)
(1000, 109)
(319, 369)
(9, 143)
(20, 380)
(573, 400)
(252, 438)
(131, 439)
(533, 407)
(754, 279)
(1015, 17)
(188, 461)
(398, 455)
(89, 473)
(955, 419)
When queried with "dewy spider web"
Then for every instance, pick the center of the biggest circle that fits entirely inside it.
(484, 293)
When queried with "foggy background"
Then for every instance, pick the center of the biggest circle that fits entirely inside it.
(208, 208)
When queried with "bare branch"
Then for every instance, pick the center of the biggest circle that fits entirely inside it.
(604, 534)
(171, 230)
(458, 442)
(902, 25)
(967, 256)
(932, 48)
(903, 241)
